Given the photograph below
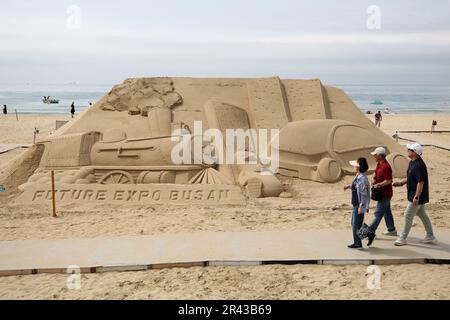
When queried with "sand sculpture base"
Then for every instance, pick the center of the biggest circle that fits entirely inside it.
(146, 194)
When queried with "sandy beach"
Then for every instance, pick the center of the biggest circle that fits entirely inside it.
(308, 210)
(222, 150)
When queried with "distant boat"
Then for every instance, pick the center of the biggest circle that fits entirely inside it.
(50, 101)
(377, 102)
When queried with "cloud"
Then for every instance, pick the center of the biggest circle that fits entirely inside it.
(166, 40)
(423, 39)
(253, 38)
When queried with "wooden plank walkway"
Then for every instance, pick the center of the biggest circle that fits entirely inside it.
(211, 249)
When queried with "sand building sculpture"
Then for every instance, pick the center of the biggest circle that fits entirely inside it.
(125, 138)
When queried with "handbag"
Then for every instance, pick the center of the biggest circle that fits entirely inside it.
(377, 194)
(364, 232)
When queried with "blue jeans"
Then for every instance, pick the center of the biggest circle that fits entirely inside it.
(383, 210)
(357, 222)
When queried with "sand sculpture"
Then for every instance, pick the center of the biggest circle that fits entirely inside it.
(120, 148)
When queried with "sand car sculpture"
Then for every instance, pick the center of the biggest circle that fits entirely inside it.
(326, 157)
(125, 138)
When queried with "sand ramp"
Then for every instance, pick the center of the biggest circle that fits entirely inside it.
(307, 99)
(267, 103)
(8, 147)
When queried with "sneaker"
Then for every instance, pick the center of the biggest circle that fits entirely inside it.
(371, 238)
(354, 246)
(429, 240)
(400, 242)
(390, 233)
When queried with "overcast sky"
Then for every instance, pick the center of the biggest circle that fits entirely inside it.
(40, 41)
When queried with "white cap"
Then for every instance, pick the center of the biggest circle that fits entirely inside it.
(380, 151)
(416, 147)
(354, 163)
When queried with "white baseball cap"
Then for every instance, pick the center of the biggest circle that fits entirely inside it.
(380, 151)
(354, 163)
(416, 147)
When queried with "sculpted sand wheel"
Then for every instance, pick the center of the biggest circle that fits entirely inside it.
(117, 177)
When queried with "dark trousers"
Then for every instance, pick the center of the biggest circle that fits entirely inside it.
(383, 210)
(357, 222)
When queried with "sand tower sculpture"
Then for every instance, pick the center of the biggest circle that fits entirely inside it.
(122, 145)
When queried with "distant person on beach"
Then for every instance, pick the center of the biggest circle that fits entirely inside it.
(360, 199)
(417, 194)
(5, 109)
(72, 109)
(433, 125)
(382, 180)
(378, 119)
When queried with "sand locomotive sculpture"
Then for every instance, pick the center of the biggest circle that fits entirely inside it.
(126, 138)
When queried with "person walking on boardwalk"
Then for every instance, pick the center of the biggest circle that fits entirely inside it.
(72, 109)
(418, 195)
(382, 183)
(360, 199)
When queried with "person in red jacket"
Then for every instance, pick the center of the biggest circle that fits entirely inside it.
(382, 179)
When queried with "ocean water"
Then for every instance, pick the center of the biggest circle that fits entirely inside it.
(400, 98)
(27, 99)
(395, 98)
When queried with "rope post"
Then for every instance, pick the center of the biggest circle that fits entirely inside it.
(17, 116)
(53, 195)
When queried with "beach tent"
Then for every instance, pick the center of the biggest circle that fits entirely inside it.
(377, 102)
